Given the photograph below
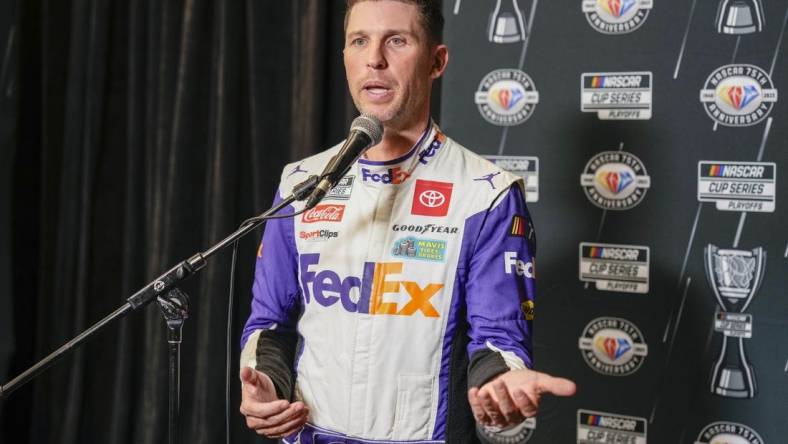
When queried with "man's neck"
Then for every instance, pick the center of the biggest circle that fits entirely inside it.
(396, 142)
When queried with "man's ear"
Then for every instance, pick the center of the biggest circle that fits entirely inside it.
(440, 59)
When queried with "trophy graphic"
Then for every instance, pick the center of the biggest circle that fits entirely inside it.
(735, 276)
(739, 17)
(506, 24)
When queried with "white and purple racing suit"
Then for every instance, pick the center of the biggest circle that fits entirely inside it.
(412, 281)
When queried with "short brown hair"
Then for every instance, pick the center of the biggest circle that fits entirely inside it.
(430, 11)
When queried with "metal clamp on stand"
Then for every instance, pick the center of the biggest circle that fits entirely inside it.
(175, 308)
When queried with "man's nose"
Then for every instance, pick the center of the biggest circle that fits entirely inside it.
(376, 59)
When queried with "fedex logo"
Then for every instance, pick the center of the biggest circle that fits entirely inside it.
(511, 263)
(327, 288)
(427, 153)
(391, 176)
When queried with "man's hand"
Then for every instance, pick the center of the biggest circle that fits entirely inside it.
(515, 395)
(265, 414)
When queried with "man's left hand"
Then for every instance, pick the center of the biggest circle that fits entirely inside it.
(515, 395)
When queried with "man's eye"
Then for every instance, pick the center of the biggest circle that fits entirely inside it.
(358, 42)
(397, 41)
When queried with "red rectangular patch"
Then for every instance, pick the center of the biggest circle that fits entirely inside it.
(324, 213)
(431, 198)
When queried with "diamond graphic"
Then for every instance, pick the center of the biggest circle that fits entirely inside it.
(617, 8)
(616, 182)
(508, 98)
(739, 96)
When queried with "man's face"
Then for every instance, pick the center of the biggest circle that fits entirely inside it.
(389, 62)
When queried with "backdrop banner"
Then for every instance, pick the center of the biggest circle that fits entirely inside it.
(652, 135)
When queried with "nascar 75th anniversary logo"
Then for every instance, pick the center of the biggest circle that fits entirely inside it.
(738, 95)
(613, 346)
(623, 268)
(615, 180)
(616, 95)
(598, 427)
(738, 186)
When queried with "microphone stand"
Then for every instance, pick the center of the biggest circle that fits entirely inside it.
(173, 303)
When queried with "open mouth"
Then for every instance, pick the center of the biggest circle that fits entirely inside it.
(377, 89)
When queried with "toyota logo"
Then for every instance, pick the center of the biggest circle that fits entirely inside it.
(432, 198)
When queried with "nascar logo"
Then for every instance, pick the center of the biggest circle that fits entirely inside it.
(621, 268)
(599, 427)
(615, 180)
(738, 186)
(613, 346)
(617, 95)
(506, 97)
(616, 16)
(738, 95)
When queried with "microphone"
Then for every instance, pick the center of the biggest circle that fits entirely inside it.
(365, 131)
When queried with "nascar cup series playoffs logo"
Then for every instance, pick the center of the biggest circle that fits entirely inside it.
(600, 427)
(616, 16)
(615, 180)
(728, 433)
(506, 97)
(613, 346)
(738, 95)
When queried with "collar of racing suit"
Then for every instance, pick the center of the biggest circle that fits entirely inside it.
(397, 171)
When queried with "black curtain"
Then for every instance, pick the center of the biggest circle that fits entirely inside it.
(144, 131)
(8, 32)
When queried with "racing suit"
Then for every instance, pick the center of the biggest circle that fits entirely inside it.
(412, 281)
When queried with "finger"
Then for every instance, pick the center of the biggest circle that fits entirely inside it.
(285, 429)
(555, 386)
(476, 407)
(490, 407)
(295, 410)
(263, 409)
(524, 403)
(505, 403)
(256, 384)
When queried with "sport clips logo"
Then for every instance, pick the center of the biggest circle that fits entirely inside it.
(366, 294)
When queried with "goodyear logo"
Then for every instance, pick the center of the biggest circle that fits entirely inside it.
(367, 293)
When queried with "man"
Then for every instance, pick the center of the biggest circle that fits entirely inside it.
(411, 283)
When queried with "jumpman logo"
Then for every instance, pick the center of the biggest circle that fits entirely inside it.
(297, 170)
(489, 178)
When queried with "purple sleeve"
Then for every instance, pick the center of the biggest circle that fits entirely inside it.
(275, 292)
(501, 284)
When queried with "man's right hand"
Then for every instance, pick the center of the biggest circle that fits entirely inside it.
(265, 414)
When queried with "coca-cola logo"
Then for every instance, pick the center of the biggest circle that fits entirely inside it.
(324, 213)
